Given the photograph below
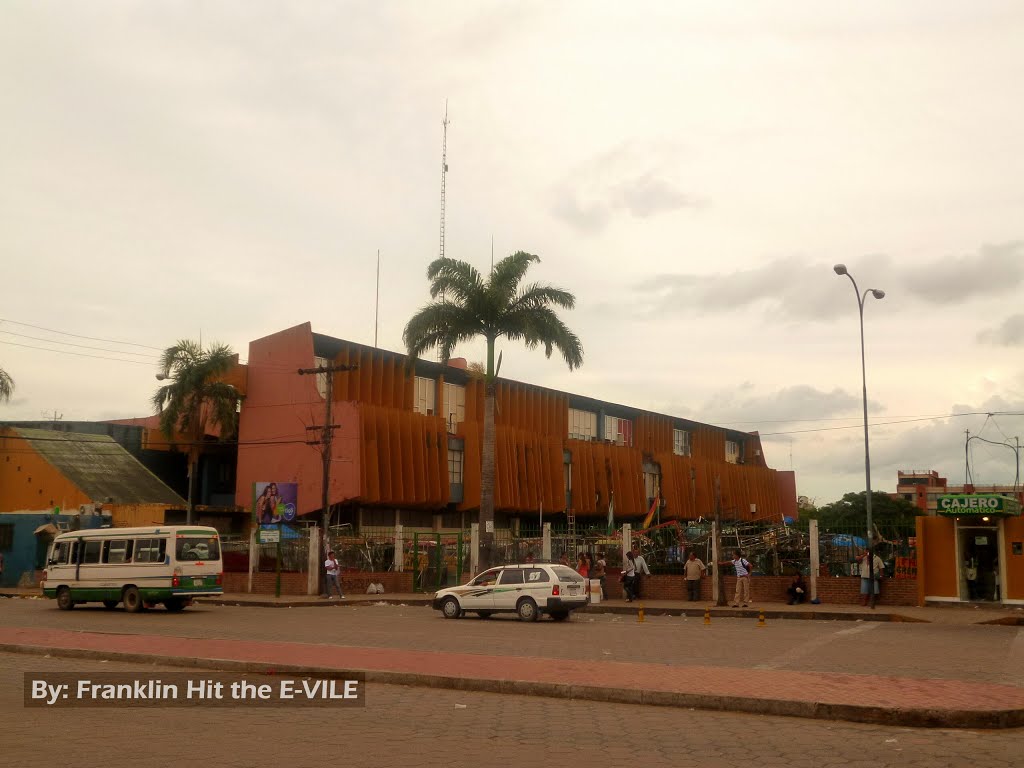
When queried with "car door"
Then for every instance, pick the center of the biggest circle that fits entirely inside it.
(479, 593)
(509, 589)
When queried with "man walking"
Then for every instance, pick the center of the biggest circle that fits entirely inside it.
(641, 570)
(693, 570)
(331, 566)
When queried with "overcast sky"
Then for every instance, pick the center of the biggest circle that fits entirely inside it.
(691, 171)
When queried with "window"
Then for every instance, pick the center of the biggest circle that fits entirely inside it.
(511, 576)
(117, 551)
(680, 442)
(619, 431)
(486, 579)
(92, 552)
(455, 466)
(150, 550)
(321, 378)
(565, 573)
(6, 537)
(60, 552)
(582, 424)
(454, 405)
(197, 548)
(651, 485)
(535, 575)
(732, 451)
(424, 396)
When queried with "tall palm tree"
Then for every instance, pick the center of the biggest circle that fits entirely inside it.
(466, 305)
(195, 398)
(6, 386)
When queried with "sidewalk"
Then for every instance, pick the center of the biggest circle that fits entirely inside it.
(953, 613)
(832, 696)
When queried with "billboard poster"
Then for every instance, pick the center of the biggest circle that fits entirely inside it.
(274, 503)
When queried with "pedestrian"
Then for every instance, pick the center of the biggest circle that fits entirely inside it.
(743, 569)
(564, 559)
(628, 576)
(693, 570)
(424, 567)
(583, 565)
(333, 570)
(598, 571)
(797, 590)
(641, 571)
(971, 575)
(529, 557)
(865, 576)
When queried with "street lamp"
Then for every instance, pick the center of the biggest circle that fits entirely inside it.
(840, 269)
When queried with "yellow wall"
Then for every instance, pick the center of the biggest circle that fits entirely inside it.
(1013, 530)
(937, 568)
(135, 515)
(28, 481)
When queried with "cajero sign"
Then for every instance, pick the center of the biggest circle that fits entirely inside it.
(977, 504)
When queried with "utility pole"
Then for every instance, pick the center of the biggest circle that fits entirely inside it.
(325, 441)
(719, 573)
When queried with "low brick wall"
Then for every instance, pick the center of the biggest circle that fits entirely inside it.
(265, 583)
(841, 590)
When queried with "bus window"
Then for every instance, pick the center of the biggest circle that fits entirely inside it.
(196, 548)
(117, 551)
(59, 555)
(150, 550)
(92, 552)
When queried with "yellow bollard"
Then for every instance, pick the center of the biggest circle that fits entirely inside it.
(760, 620)
(640, 614)
(707, 617)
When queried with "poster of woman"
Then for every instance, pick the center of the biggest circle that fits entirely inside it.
(274, 503)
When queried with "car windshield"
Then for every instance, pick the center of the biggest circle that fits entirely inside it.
(197, 548)
(566, 573)
(485, 578)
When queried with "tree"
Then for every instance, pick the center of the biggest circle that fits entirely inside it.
(6, 386)
(851, 511)
(196, 398)
(465, 306)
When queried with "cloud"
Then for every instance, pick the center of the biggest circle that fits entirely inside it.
(773, 411)
(993, 270)
(1010, 333)
(609, 184)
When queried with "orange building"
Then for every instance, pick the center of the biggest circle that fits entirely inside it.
(407, 446)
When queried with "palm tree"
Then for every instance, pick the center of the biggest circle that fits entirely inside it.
(6, 386)
(197, 397)
(465, 306)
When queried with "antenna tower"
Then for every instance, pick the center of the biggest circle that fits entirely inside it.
(444, 169)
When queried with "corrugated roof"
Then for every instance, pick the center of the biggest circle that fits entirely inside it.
(101, 468)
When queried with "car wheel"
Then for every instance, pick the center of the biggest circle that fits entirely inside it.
(560, 615)
(527, 609)
(64, 601)
(132, 600)
(110, 604)
(174, 606)
(450, 608)
(484, 614)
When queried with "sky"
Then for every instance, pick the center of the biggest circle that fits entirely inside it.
(690, 171)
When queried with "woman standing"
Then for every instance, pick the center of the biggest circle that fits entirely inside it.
(598, 571)
(629, 576)
(583, 565)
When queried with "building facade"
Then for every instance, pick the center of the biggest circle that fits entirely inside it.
(407, 446)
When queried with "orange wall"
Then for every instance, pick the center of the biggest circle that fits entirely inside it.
(28, 481)
(1013, 530)
(937, 567)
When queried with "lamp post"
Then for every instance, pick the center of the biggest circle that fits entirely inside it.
(840, 269)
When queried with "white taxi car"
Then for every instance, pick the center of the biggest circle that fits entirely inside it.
(527, 589)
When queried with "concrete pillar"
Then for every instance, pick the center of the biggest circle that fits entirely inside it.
(254, 553)
(812, 531)
(399, 546)
(515, 527)
(474, 549)
(627, 541)
(313, 562)
(716, 558)
(438, 523)
(546, 545)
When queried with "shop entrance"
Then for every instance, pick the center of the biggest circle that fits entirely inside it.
(979, 557)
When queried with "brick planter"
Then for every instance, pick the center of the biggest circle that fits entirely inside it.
(355, 582)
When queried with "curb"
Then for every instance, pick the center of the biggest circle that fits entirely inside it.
(740, 613)
(310, 604)
(855, 713)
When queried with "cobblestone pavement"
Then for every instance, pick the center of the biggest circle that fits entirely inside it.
(420, 727)
(899, 650)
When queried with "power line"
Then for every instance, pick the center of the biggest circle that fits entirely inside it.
(78, 354)
(80, 346)
(78, 336)
(885, 423)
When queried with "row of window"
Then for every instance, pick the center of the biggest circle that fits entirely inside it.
(121, 551)
(453, 397)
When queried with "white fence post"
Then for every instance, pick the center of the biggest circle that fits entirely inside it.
(399, 548)
(545, 549)
(254, 553)
(474, 548)
(815, 558)
(627, 541)
(716, 558)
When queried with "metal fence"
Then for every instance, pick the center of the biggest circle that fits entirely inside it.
(437, 560)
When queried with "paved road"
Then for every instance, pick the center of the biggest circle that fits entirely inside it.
(981, 653)
(424, 728)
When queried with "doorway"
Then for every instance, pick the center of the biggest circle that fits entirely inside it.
(979, 557)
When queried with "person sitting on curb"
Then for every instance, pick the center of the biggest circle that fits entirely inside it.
(797, 590)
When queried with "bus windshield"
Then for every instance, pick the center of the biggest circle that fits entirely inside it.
(197, 548)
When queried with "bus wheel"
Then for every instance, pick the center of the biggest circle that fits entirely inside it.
(132, 600)
(110, 604)
(64, 601)
(175, 605)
